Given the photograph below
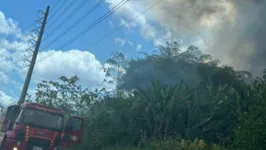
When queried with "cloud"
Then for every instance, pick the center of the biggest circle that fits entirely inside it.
(184, 18)
(12, 49)
(125, 23)
(3, 78)
(5, 99)
(50, 65)
(130, 10)
(147, 24)
(130, 43)
(12, 54)
(8, 26)
(121, 42)
(61, 63)
(138, 47)
(111, 23)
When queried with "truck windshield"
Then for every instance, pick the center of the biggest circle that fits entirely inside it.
(42, 119)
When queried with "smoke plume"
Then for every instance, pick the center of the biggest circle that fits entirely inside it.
(242, 44)
(233, 31)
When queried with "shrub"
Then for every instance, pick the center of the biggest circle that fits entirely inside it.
(173, 144)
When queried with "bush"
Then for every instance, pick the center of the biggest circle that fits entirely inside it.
(173, 144)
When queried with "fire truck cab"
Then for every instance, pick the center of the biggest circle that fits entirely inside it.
(33, 126)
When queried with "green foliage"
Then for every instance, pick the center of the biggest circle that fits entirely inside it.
(172, 144)
(65, 94)
(251, 129)
(162, 98)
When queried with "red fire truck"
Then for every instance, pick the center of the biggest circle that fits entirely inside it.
(33, 126)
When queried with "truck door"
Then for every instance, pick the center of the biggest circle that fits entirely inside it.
(73, 131)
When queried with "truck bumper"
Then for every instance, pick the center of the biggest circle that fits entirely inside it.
(11, 144)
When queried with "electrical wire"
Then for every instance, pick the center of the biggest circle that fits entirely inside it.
(67, 18)
(55, 6)
(115, 8)
(57, 11)
(63, 12)
(120, 27)
(123, 25)
(94, 24)
(76, 23)
(117, 29)
(32, 24)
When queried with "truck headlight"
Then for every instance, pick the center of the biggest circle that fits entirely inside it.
(15, 148)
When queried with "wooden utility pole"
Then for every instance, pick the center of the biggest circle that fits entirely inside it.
(34, 57)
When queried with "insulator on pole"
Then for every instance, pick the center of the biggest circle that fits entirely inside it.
(39, 21)
(35, 31)
(33, 41)
(37, 26)
(30, 44)
(25, 64)
(40, 12)
(27, 60)
(30, 50)
(34, 37)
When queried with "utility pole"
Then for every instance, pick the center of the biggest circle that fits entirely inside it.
(34, 57)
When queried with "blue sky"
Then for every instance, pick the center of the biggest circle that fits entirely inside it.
(143, 34)
(24, 14)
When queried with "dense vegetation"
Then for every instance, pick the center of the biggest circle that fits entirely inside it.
(166, 100)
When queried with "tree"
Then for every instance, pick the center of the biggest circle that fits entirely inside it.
(64, 94)
(251, 128)
(169, 65)
(114, 69)
(160, 101)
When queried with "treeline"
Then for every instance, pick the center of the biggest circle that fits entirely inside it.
(166, 100)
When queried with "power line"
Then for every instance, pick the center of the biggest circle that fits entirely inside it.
(123, 2)
(56, 4)
(67, 18)
(145, 11)
(62, 13)
(134, 18)
(123, 25)
(57, 10)
(76, 23)
(115, 8)
(33, 23)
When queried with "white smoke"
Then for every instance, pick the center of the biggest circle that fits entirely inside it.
(242, 44)
(231, 30)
